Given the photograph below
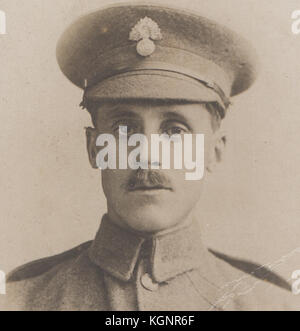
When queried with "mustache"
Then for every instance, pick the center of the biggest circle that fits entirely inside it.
(142, 177)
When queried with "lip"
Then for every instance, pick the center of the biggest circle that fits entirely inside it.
(149, 189)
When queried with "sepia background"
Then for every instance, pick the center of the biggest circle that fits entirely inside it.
(51, 200)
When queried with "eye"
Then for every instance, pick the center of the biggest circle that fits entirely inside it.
(175, 129)
(124, 129)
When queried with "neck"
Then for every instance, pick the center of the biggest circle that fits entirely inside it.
(116, 219)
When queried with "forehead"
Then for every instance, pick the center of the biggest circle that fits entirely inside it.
(147, 109)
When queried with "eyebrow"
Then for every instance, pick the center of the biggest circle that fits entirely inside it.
(118, 113)
(175, 116)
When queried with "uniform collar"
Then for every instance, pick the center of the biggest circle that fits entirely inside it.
(172, 252)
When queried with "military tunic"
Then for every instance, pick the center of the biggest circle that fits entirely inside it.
(123, 271)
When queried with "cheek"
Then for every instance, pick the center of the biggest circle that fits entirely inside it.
(113, 181)
(186, 195)
(184, 189)
(208, 146)
(196, 149)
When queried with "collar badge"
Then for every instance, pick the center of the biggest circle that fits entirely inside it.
(146, 31)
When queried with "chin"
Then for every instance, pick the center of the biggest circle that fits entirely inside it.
(150, 221)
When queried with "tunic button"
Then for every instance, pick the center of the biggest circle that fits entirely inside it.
(148, 283)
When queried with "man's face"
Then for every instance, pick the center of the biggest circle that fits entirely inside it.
(152, 200)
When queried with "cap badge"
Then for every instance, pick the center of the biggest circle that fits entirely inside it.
(146, 31)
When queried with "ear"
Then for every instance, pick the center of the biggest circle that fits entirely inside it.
(217, 149)
(91, 138)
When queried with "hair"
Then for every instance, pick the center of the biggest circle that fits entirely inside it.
(216, 111)
(217, 114)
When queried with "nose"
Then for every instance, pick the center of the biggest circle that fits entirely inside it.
(147, 159)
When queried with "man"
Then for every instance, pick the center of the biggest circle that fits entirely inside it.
(151, 70)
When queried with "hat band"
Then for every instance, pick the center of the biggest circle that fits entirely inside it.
(161, 67)
(125, 59)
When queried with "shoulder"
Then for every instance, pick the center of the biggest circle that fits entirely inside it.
(252, 269)
(39, 267)
(245, 285)
(41, 284)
